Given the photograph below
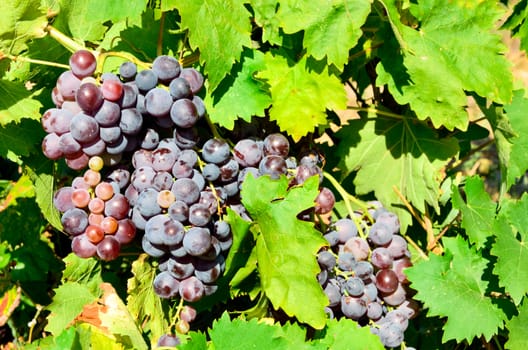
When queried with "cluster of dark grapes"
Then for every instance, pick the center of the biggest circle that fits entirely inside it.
(362, 274)
(178, 197)
(95, 212)
(173, 190)
(106, 116)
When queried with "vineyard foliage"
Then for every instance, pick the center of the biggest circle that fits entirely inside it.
(403, 98)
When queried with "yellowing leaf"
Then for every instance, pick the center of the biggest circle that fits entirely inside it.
(300, 96)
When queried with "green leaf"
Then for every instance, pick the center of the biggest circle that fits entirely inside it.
(22, 21)
(42, 175)
(477, 212)
(83, 271)
(300, 96)
(331, 28)
(518, 335)
(284, 244)
(518, 157)
(225, 334)
(85, 18)
(194, 341)
(512, 254)
(266, 17)
(439, 70)
(228, 31)
(21, 138)
(457, 276)
(242, 242)
(68, 302)
(18, 103)
(518, 24)
(91, 337)
(339, 334)
(143, 303)
(241, 94)
(401, 153)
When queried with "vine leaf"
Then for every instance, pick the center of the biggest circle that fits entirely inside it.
(518, 24)
(266, 17)
(68, 302)
(518, 332)
(83, 271)
(17, 103)
(142, 302)
(300, 96)
(477, 212)
(512, 254)
(454, 49)
(21, 22)
(286, 246)
(456, 277)
(228, 31)
(85, 18)
(395, 152)
(241, 94)
(518, 157)
(225, 334)
(41, 171)
(331, 28)
(339, 334)
(110, 315)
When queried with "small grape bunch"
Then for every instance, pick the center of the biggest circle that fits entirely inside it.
(95, 214)
(362, 273)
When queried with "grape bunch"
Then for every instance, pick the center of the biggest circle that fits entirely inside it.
(362, 274)
(95, 212)
(179, 197)
(107, 116)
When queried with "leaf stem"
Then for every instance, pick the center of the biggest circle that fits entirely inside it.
(33, 322)
(35, 61)
(63, 39)
(376, 111)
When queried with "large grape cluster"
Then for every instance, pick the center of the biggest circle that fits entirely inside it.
(106, 116)
(179, 197)
(172, 190)
(362, 273)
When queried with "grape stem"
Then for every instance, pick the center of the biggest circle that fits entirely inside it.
(125, 55)
(213, 128)
(347, 198)
(426, 224)
(32, 60)
(177, 318)
(63, 39)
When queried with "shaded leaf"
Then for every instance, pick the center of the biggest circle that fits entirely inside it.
(399, 153)
(439, 71)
